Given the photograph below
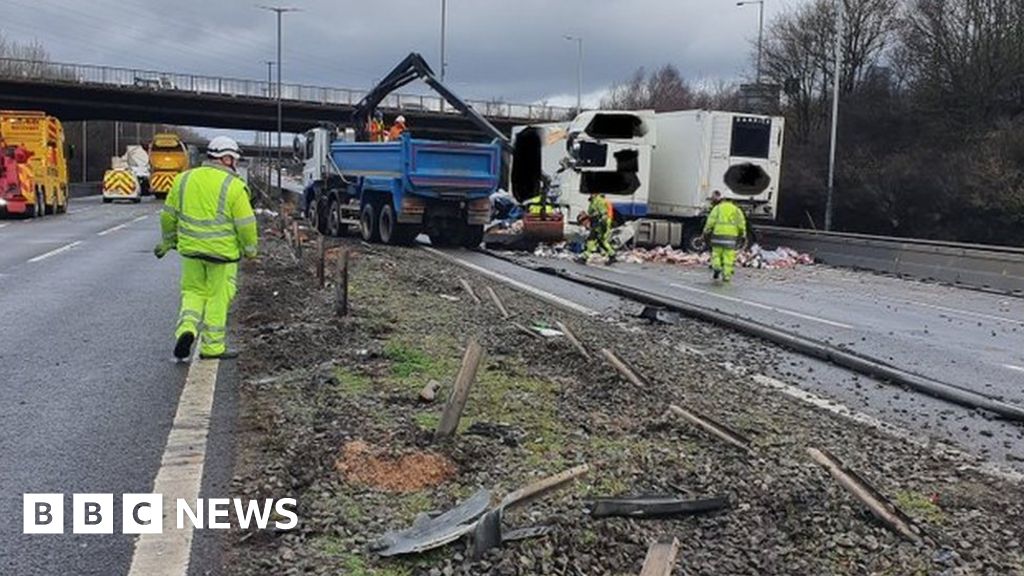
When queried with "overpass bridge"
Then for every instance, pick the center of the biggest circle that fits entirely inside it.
(75, 92)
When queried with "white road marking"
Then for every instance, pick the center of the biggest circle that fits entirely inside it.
(765, 307)
(967, 312)
(1012, 367)
(556, 300)
(3, 224)
(55, 252)
(120, 226)
(180, 476)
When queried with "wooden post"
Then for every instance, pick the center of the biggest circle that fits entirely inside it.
(622, 368)
(321, 253)
(460, 392)
(714, 428)
(572, 338)
(469, 290)
(661, 558)
(341, 288)
(297, 239)
(497, 303)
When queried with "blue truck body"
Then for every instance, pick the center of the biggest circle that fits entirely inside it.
(411, 186)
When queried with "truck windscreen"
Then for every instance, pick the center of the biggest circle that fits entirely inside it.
(751, 137)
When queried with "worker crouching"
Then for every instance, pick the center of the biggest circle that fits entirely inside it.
(207, 217)
(724, 229)
(598, 221)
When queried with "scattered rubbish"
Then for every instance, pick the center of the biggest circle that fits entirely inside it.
(450, 298)
(429, 533)
(880, 506)
(546, 331)
(359, 464)
(781, 257)
(624, 369)
(526, 533)
(527, 331)
(654, 506)
(429, 391)
(488, 532)
(754, 257)
(508, 434)
(661, 558)
(575, 341)
(657, 314)
(721, 431)
(460, 392)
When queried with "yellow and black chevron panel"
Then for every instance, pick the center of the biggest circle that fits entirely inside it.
(120, 181)
(161, 181)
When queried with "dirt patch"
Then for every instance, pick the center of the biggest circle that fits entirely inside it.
(359, 464)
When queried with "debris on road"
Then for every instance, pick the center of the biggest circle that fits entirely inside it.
(654, 506)
(575, 341)
(661, 558)
(624, 369)
(460, 392)
(498, 303)
(429, 391)
(428, 533)
(716, 429)
(469, 290)
(880, 506)
(754, 257)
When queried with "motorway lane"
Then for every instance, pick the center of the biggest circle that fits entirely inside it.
(89, 388)
(969, 338)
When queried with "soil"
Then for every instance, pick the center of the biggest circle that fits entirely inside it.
(331, 415)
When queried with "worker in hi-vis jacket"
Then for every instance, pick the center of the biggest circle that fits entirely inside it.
(599, 222)
(725, 228)
(208, 219)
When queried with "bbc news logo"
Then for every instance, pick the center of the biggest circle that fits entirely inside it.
(143, 513)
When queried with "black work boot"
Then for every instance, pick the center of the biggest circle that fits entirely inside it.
(715, 274)
(183, 347)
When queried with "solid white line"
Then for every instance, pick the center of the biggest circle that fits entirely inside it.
(1012, 367)
(966, 312)
(3, 225)
(764, 306)
(55, 252)
(556, 300)
(180, 476)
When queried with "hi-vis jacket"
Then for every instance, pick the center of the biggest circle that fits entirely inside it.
(726, 224)
(207, 215)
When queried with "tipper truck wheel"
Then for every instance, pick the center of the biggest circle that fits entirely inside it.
(473, 236)
(368, 223)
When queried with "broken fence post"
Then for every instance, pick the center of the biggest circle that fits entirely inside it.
(575, 341)
(527, 331)
(341, 287)
(497, 303)
(880, 506)
(469, 290)
(460, 392)
(714, 428)
(661, 558)
(297, 238)
(321, 256)
(623, 369)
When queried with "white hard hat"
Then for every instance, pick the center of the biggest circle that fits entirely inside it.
(400, 120)
(222, 146)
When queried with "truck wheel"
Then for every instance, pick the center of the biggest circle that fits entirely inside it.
(473, 236)
(50, 208)
(693, 240)
(332, 219)
(315, 214)
(368, 222)
(136, 200)
(387, 226)
(108, 200)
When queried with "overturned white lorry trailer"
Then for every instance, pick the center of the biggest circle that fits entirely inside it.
(660, 169)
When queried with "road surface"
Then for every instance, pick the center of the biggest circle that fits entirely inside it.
(90, 388)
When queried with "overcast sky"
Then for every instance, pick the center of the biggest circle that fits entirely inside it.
(508, 49)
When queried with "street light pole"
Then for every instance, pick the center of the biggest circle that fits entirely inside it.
(270, 92)
(579, 71)
(444, 30)
(840, 31)
(760, 32)
(279, 10)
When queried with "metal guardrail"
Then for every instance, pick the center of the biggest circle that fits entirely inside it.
(138, 79)
(998, 268)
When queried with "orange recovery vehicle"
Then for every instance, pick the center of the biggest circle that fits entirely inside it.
(168, 157)
(42, 138)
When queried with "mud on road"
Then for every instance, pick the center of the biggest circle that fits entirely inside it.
(330, 414)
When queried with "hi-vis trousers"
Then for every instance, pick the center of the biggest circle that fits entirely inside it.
(207, 289)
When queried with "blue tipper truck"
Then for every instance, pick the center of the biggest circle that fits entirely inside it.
(394, 191)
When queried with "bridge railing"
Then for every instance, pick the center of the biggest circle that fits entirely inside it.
(139, 79)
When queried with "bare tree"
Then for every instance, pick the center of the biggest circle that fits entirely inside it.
(664, 90)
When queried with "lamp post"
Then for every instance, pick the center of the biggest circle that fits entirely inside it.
(760, 31)
(279, 10)
(840, 31)
(444, 27)
(579, 70)
(270, 92)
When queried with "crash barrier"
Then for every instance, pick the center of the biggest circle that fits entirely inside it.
(998, 268)
(80, 189)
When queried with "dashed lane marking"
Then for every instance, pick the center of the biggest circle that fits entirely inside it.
(180, 476)
(765, 307)
(552, 298)
(56, 251)
(4, 224)
(120, 227)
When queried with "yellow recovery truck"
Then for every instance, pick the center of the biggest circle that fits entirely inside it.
(168, 157)
(43, 137)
